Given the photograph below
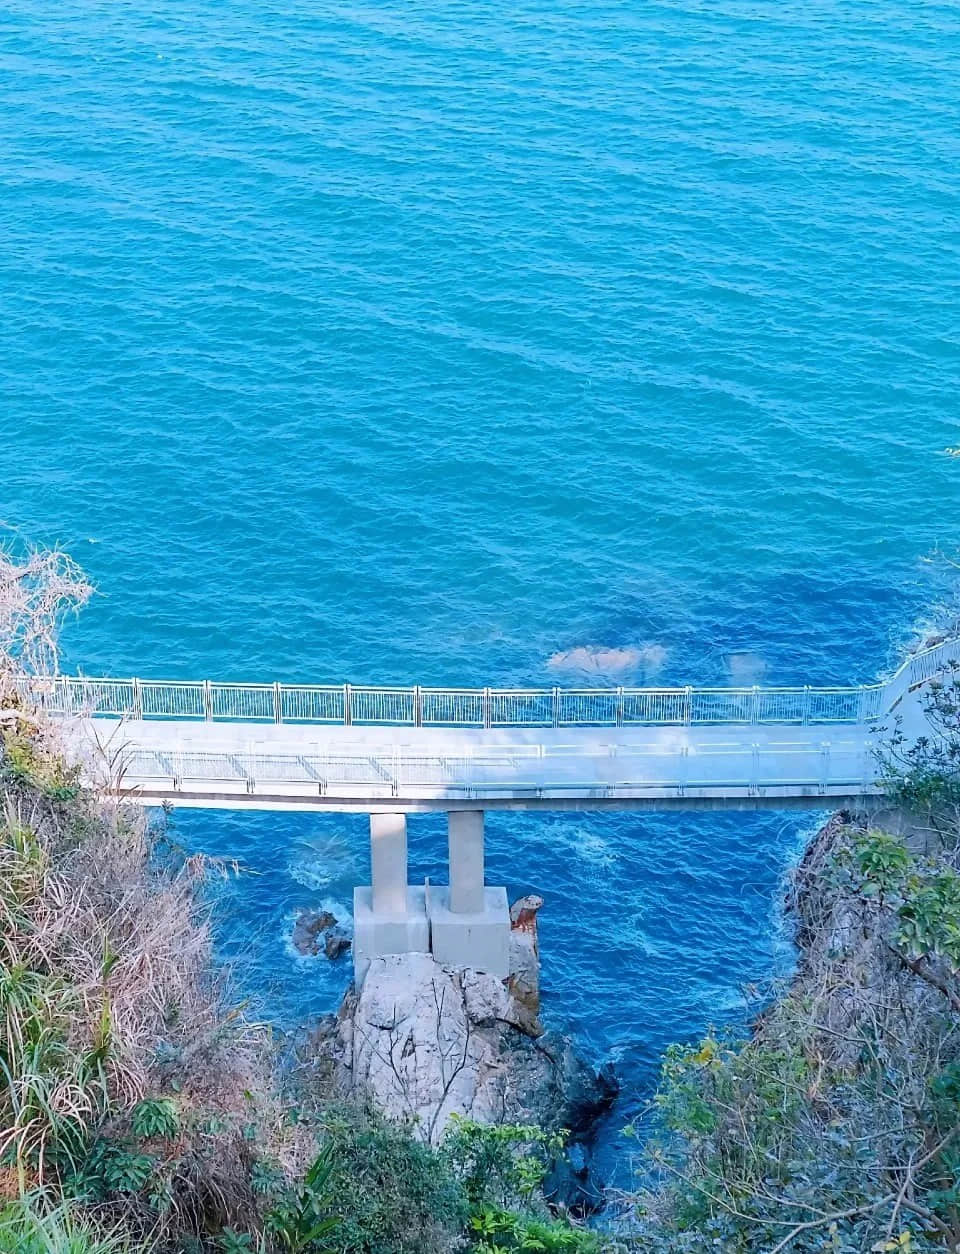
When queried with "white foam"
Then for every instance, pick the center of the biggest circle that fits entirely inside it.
(615, 661)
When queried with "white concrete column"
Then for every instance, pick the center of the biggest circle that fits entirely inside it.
(465, 835)
(388, 864)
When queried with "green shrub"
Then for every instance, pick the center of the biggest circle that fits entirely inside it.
(390, 1193)
(503, 1232)
(110, 1169)
(155, 1117)
(836, 1125)
(501, 1164)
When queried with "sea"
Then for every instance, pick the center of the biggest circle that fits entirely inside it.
(538, 343)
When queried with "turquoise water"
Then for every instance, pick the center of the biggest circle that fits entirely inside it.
(426, 343)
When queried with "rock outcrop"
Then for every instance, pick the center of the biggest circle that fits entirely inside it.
(423, 1041)
(524, 981)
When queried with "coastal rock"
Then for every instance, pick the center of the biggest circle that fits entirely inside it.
(423, 1041)
(335, 942)
(308, 928)
(524, 980)
(317, 930)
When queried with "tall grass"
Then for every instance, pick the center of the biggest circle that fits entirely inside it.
(26, 1228)
(108, 996)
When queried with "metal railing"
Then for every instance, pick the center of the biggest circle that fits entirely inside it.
(347, 704)
(512, 771)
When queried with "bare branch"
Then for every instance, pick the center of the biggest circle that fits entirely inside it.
(37, 590)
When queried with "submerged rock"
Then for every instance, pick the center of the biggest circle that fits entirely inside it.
(336, 942)
(318, 929)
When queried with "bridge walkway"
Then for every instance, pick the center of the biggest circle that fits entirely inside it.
(237, 765)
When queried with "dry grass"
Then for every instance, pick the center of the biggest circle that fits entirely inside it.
(108, 996)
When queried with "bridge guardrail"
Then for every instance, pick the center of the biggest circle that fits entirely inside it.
(347, 704)
(504, 770)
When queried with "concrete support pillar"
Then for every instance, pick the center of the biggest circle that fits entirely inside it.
(469, 923)
(465, 837)
(389, 917)
(388, 864)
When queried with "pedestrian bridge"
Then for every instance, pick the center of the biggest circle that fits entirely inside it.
(276, 746)
(388, 751)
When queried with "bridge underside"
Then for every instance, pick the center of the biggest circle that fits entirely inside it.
(768, 799)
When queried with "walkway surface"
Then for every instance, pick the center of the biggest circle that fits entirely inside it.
(271, 747)
(307, 767)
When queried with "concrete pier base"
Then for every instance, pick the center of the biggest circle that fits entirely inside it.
(376, 934)
(465, 925)
(480, 939)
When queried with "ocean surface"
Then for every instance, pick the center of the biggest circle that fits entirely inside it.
(491, 344)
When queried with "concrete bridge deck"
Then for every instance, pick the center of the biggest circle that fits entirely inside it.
(312, 747)
(303, 767)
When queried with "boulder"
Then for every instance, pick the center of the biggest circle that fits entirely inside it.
(423, 1041)
(308, 928)
(318, 930)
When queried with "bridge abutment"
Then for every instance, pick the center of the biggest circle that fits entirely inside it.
(465, 925)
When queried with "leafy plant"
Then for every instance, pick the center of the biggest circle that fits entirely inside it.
(500, 1163)
(112, 1168)
(882, 861)
(502, 1232)
(155, 1117)
(232, 1242)
(299, 1220)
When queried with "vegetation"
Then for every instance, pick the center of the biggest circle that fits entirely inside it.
(139, 1110)
(836, 1126)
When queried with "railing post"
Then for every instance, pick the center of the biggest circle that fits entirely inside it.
(347, 705)
(806, 704)
(755, 704)
(556, 707)
(417, 707)
(277, 704)
(688, 704)
(137, 709)
(620, 706)
(868, 704)
(207, 700)
(487, 708)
